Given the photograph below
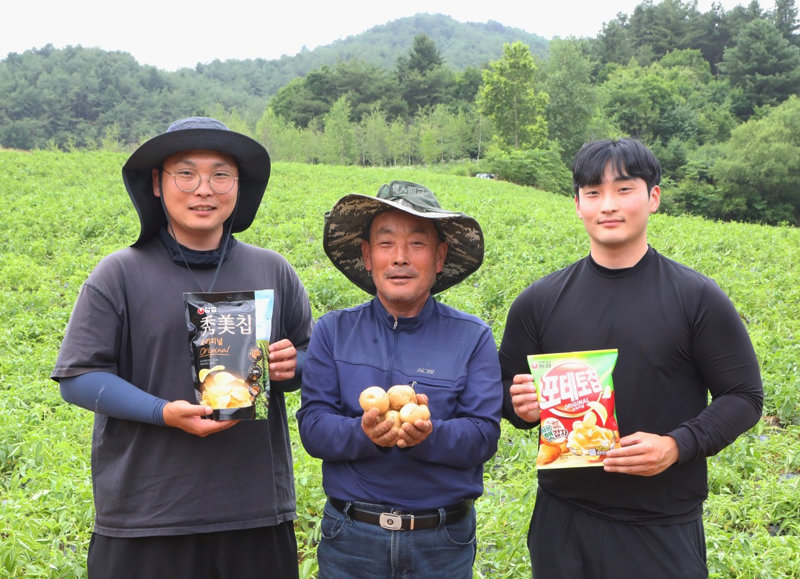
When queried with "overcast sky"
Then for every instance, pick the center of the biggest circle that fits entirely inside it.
(172, 35)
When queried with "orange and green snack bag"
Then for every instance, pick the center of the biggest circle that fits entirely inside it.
(578, 422)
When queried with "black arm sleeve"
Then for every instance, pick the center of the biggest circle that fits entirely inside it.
(519, 340)
(727, 362)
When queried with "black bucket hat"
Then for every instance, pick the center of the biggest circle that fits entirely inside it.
(347, 224)
(184, 135)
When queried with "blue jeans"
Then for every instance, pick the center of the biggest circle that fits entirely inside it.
(354, 549)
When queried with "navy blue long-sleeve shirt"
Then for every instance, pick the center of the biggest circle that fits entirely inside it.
(447, 355)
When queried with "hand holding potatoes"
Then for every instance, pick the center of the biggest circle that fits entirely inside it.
(386, 414)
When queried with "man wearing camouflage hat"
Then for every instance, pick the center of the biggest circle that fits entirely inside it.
(400, 498)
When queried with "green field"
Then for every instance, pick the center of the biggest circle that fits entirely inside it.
(62, 212)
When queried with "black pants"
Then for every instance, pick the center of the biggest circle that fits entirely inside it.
(566, 542)
(266, 553)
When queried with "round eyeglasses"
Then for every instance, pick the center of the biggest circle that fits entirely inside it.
(188, 180)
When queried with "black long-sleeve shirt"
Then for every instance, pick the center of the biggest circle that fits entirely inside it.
(679, 338)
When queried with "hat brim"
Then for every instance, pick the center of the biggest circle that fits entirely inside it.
(251, 157)
(346, 227)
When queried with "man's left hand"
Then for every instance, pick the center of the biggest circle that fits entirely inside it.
(411, 434)
(642, 454)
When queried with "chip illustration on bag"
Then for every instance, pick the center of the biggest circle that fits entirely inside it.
(229, 334)
(578, 423)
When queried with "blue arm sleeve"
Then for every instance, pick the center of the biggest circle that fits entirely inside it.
(109, 394)
(301, 358)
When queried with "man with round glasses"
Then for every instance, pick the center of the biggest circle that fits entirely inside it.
(176, 495)
(198, 195)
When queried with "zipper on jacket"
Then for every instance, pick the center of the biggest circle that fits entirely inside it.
(390, 376)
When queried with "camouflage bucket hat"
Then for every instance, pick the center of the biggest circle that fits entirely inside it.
(347, 225)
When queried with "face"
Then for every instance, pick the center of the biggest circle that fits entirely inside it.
(404, 254)
(197, 218)
(615, 214)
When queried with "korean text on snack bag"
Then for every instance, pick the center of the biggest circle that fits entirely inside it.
(578, 423)
(229, 334)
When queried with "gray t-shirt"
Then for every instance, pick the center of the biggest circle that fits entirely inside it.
(153, 480)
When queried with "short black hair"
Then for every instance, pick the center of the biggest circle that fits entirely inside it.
(628, 158)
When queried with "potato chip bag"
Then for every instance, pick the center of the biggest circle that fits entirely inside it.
(229, 333)
(578, 422)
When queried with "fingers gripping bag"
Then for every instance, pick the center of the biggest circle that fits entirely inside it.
(578, 422)
(229, 334)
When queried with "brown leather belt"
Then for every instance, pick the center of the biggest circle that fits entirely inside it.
(398, 521)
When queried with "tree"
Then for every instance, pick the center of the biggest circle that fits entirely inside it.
(454, 132)
(674, 98)
(274, 133)
(636, 98)
(338, 140)
(785, 19)
(714, 35)
(423, 57)
(365, 85)
(400, 144)
(763, 64)
(423, 79)
(465, 87)
(296, 104)
(572, 97)
(760, 166)
(373, 142)
(615, 43)
(508, 96)
(429, 149)
(668, 25)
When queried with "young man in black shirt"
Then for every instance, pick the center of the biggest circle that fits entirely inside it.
(678, 338)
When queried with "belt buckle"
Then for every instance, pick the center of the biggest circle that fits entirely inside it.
(392, 521)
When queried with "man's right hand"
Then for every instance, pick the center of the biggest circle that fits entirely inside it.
(381, 432)
(189, 418)
(523, 397)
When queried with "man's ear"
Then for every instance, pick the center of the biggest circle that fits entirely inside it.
(655, 198)
(365, 253)
(441, 255)
(156, 184)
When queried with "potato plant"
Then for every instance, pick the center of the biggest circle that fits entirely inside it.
(62, 212)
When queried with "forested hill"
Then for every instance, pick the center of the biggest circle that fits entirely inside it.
(78, 96)
(716, 94)
(462, 45)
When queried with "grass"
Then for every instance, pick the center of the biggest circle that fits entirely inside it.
(62, 212)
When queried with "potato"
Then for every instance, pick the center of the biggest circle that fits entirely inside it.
(547, 453)
(400, 395)
(374, 397)
(233, 394)
(424, 411)
(412, 412)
